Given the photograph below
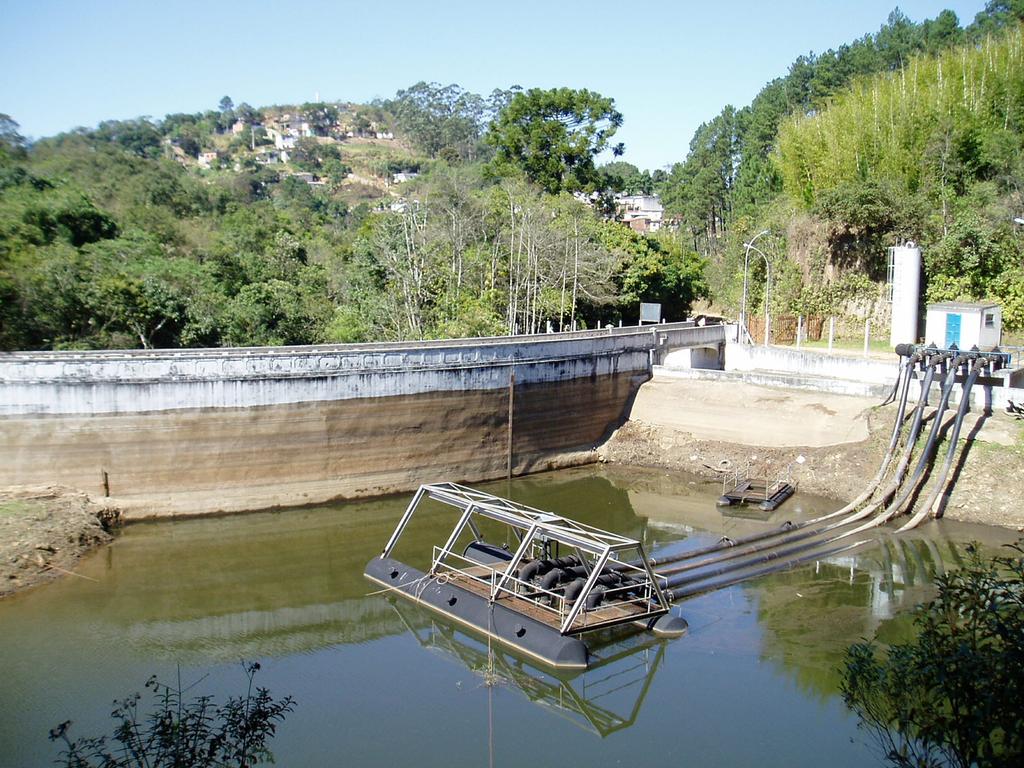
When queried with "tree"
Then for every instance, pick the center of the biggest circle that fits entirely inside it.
(11, 142)
(954, 696)
(553, 136)
(620, 176)
(439, 116)
(655, 270)
(138, 136)
(226, 104)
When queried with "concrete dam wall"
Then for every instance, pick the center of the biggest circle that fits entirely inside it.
(198, 431)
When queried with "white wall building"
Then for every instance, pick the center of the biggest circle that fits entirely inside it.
(642, 213)
(965, 324)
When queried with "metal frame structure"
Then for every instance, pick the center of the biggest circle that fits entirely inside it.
(599, 552)
(579, 697)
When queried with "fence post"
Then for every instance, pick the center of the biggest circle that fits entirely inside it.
(831, 332)
(799, 329)
(867, 335)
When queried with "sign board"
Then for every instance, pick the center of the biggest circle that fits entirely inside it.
(650, 313)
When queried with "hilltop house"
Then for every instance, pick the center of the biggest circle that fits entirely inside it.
(298, 126)
(266, 156)
(309, 178)
(642, 213)
(206, 159)
(282, 137)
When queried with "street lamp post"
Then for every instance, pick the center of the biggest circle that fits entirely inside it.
(748, 247)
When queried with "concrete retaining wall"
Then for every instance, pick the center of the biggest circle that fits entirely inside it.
(133, 382)
(843, 374)
(745, 357)
(194, 431)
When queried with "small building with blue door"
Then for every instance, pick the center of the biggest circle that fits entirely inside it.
(964, 324)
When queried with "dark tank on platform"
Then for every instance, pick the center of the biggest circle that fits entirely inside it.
(551, 582)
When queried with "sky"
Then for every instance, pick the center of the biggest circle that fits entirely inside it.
(669, 65)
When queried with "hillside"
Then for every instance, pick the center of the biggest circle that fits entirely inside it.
(317, 223)
(932, 153)
(913, 132)
(440, 212)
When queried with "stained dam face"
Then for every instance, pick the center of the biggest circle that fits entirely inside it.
(198, 431)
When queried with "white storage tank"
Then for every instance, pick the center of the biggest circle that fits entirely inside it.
(965, 324)
(904, 280)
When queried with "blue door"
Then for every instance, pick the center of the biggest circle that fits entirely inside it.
(952, 330)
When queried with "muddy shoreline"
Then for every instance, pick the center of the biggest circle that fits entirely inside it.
(44, 531)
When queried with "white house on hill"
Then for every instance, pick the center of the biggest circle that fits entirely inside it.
(643, 213)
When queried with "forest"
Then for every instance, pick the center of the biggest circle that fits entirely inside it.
(118, 237)
(442, 213)
(915, 132)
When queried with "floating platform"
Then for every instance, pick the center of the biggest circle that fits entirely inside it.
(469, 608)
(767, 496)
(553, 580)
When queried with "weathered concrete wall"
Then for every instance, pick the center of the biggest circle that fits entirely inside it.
(748, 357)
(846, 375)
(189, 432)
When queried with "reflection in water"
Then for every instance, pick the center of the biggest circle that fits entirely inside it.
(810, 616)
(286, 588)
(603, 699)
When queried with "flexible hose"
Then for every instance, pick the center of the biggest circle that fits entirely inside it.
(677, 595)
(929, 447)
(933, 499)
(807, 534)
(915, 430)
(801, 532)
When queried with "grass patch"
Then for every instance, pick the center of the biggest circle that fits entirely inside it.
(848, 345)
(16, 507)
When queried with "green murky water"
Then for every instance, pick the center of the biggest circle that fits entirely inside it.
(380, 683)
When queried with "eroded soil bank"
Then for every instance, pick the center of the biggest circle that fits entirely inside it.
(43, 533)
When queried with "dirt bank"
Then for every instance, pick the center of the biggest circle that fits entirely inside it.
(43, 533)
(988, 489)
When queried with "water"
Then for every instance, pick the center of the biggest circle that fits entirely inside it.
(383, 683)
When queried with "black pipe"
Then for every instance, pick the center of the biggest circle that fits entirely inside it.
(572, 591)
(683, 594)
(929, 446)
(802, 532)
(540, 567)
(762, 557)
(977, 366)
(552, 578)
(915, 429)
(594, 598)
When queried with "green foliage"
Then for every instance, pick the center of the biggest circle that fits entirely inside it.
(883, 139)
(965, 262)
(438, 117)
(955, 695)
(110, 237)
(1008, 289)
(926, 126)
(181, 732)
(864, 218)
(553, 136)
(657, 270)
(620, 176)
